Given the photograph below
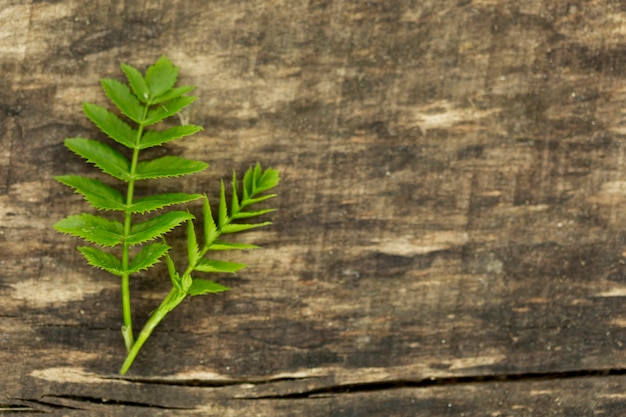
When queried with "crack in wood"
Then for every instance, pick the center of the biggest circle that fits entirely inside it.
(430, 382)
(211, 383)
(18, 408)
(101, 401)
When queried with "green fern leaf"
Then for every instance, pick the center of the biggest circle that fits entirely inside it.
(156, 227)
(201, 286)
(101, 155)
(171, 269)
(269, 179)
(256, 181)
(167, 109)
(157, 201)
(171, 94)
(113, 126)
(161, 77)
(103, 260)
(222, 213)
(99, 194)
(158, 137)
(124, 99)
(248, 214)
(221, 245)
(210, 265)
(148, 256)
(210, 229)
(94, 229)
(193, 251)
(137, 83)
(234, 203)
(168, 166)
(238, 227)
(256, 200)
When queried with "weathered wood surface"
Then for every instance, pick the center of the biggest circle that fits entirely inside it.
(450, 238)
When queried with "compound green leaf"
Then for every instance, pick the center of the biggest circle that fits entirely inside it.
(211, 265)
(168, 166)
(167, 109)
(256, 181)
(148, 256)
(94, 229)
(157, 226)
(101, 155)
(201, 286)
(158, 137)
(124, 99)
(103, 260)
(137, 82)
(99, 194)
(157, 201)
(113, 126)
(269, 179)
(161, 76)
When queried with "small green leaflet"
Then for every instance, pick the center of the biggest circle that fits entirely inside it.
(210, 229)
(240, 227)
(161, 77)
(99, 194)
(221, 245)
(158, 201)
(256, 181)
(168, 166)
(158, 137)
(168, 108)
(173, 93)
(102, 155)
(148, 256)
(201, 286)
(157, 226)
(211, 265)
(113, 126)
(94, 229)
(193, 251)
(124, 99)
(137, 83)
(103, 260)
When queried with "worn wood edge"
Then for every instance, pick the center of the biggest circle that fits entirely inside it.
(600, 395)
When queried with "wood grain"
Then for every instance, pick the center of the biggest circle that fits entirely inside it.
(450, 210)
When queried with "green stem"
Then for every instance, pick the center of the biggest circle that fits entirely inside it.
(127, 329)
(173, 299)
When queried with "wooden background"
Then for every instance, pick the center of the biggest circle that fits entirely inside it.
(450, 239)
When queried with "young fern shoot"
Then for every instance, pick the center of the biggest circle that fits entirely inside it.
(136, 243)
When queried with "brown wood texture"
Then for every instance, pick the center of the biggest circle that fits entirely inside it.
(450, 237)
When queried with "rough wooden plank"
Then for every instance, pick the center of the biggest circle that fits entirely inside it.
(451, 204)
(598, 396)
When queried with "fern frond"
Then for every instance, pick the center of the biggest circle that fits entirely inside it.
(146, 100)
